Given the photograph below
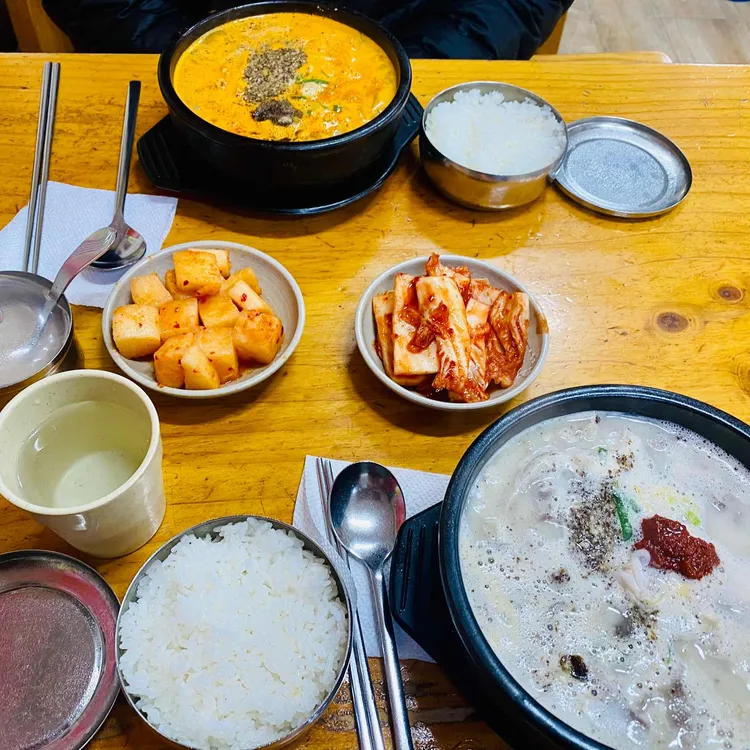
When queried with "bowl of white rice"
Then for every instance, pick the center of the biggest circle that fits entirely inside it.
(491, 145)
(235, 634)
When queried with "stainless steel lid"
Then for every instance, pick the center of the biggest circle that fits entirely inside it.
(57, 651)
(26, 355)
(622, 168)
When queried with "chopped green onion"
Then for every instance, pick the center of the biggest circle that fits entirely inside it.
(337, 108)
(633, 504)
(299, 97)
(693, 518)
(312, 80)
(622, 515)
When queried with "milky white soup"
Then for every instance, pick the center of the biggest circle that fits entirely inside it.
(630, 654)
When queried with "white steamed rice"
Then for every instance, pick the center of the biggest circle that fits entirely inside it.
(488, 134)
(233, 643)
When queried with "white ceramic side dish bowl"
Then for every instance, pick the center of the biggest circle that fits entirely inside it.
(535, 354)
(280, 290)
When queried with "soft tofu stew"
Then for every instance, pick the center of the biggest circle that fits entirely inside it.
(285, 76)
(607, 561)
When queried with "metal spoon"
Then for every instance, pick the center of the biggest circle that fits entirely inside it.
(93, 247)
(129, 247)
(369, 731)
(42, 306)
(367, 510)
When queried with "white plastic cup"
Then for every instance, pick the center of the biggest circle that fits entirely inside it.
(116, 523)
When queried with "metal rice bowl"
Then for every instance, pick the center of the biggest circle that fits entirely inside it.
(479, 190)
(209, 528)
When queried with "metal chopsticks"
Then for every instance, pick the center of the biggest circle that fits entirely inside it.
(40, 176)
(369, 731)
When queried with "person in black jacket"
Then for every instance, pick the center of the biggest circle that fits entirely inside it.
(459, 29)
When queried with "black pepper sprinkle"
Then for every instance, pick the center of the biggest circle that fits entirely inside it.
(270, 72)
(561, 576)
(593, 525)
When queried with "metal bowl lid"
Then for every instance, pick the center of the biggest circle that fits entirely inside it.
(57, 651)
(622, 168)
(23, 352)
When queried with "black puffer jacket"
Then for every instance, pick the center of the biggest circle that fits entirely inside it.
(478, 29)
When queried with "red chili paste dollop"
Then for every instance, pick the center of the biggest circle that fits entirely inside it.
(672, 547)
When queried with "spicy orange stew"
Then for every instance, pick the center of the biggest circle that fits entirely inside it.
(285, 76)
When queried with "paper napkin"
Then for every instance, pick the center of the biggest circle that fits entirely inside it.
(71, 214)
(421, 490)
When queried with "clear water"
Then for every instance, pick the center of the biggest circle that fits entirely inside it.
(81, 453)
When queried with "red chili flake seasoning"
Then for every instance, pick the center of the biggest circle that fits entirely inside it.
(422, 338)
(410, 298)
(411, 316)
(672, 547)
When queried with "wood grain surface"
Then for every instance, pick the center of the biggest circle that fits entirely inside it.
(661, 302)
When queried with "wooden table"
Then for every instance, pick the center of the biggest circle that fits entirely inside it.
(660, 302)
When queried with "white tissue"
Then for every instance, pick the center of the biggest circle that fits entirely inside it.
(421, 490)
(71, 214)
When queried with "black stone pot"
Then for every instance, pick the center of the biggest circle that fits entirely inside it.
(427, 591)
(280, 165)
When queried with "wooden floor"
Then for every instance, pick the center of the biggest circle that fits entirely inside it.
(705, 31)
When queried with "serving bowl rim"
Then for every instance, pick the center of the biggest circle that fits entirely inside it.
(209, 527)
(364, 308)
(236, 386)
(53, 365)
(225, 137)
(462, 479)
(489, 176)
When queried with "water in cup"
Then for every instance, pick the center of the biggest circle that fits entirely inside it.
(81, 453)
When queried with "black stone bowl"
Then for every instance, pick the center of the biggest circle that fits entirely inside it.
(433, 606)
(287, 165)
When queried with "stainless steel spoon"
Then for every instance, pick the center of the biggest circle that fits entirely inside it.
(93, 247)
(129, 247)
(369, 731)
(367, 510)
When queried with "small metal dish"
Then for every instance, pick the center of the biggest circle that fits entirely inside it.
(623, 168)
(476, 189)
(24, 356)
(57, 655)
(210, 528)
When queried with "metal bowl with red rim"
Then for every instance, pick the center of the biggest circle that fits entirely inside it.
(58, 680)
